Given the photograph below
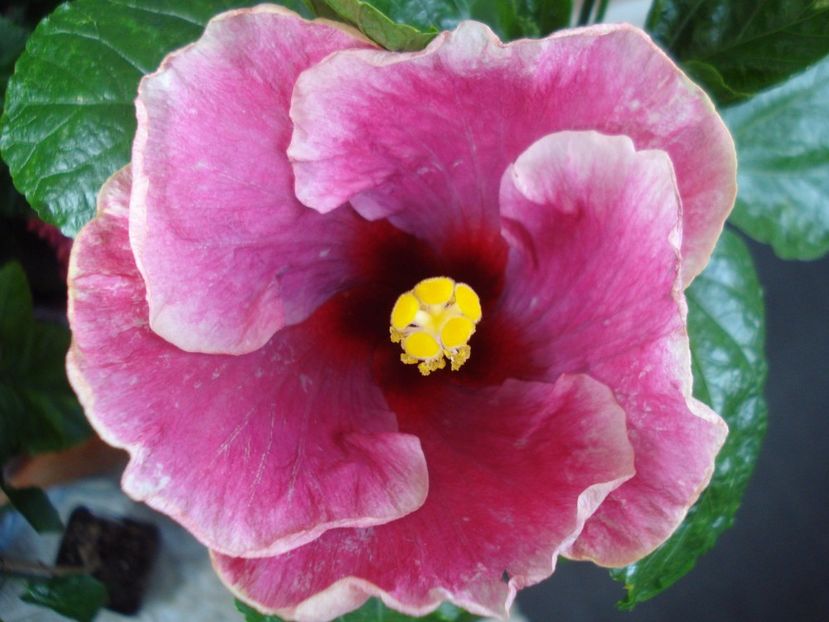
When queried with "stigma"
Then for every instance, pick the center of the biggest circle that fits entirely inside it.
(433, 323)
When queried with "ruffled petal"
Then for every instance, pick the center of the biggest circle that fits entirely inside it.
(675, 438)
(594, 273)
(595, 229)
(425, 137)
(227, 253)
(514, 472)
(254, 454)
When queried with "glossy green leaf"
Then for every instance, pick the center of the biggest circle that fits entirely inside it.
(69, 117)
(548, 15)
(405, 25)
(740, 48)
(379, 27)
(38, 410)
(319, 8)
(708, 76)
(374, 611)
(782, 139)
(78, 597)
(34, 506)
(726, 326)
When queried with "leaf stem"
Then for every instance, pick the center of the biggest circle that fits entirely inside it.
(37, 570)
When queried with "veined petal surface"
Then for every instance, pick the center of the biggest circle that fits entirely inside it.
(255, 454)
(424, 137)
(227, 253)
(594, 273)
(514, 471)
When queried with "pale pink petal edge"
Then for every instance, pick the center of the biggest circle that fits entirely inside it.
(679, 343)
(702, 411)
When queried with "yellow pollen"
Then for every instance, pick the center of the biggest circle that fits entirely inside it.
(468, 301)
(421, 346)
(456, 332)
(435, 291)
(404, 311)
(434, 322)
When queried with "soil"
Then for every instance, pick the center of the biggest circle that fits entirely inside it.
(119, 552)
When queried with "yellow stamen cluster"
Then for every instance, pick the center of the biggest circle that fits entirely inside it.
(434, 321)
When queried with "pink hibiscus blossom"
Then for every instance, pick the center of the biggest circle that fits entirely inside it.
(231, 307)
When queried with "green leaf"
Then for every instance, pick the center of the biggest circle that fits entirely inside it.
(69, 118)
(34, 506)
(379, 27)
(78, 597)
(726, 325)
(405, 25)
(434, 15)
(38, 410)
(251, 615)
(782, 139)
(374, 611)
(707, 75)
(549, 15)
(746, 46)
(320, 9)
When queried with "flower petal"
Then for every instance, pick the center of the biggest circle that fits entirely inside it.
(675, 438)
(594, 271)
(254, 454)
(425, 137)
(594, 227)
(227, 253)
(514, 472)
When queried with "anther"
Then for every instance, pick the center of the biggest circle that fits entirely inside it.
(434, 322)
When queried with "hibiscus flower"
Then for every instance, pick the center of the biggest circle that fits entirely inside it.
(296, 197)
